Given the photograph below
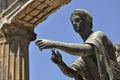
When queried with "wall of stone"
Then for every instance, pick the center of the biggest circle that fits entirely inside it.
(4, 4)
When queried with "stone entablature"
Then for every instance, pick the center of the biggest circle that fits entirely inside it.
(30, 13)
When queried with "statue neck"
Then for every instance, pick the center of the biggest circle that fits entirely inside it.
(85, 36)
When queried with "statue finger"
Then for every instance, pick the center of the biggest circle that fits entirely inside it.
(42, 46)
(54, 55)
(38, 41)
(57, 52)
(53, 50)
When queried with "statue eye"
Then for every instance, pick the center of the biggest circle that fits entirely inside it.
(77, 20)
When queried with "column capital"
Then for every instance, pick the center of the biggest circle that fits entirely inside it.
(14, 31)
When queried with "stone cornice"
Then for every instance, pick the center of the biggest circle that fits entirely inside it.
(13, 31)
(32, 12)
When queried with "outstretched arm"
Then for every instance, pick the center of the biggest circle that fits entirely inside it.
(71, 48)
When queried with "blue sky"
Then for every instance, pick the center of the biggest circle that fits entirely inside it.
(106, 18)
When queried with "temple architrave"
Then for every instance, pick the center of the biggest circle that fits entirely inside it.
(18, 18)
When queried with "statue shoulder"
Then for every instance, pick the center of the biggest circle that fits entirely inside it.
(99, 33)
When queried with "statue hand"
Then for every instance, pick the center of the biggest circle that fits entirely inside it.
(44, 44)
(56, 57)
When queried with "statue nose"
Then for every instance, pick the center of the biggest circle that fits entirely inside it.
(74, 22)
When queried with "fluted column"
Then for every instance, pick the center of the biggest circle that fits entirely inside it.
(18, 19)
(14, 57)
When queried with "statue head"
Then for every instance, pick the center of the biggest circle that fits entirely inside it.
(81, 20)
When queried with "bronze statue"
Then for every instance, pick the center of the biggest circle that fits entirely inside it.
(117, 52)
(97, 55)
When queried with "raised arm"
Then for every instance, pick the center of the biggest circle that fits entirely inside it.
(71, 48)
(67, 70)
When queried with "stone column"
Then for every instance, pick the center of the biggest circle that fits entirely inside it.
(18, 18)
(14, 57)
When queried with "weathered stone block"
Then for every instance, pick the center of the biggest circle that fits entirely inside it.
(30, 13)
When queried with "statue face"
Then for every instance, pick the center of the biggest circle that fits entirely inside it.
(78, 23)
